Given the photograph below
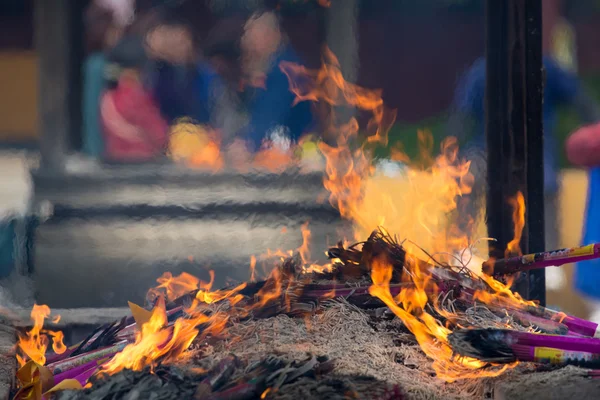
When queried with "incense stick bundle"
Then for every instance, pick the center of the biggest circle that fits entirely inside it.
(106, 336)
(556, 258)
(506, 346)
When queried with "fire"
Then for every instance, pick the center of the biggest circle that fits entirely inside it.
(430, 334)
(518, 204)
(346, 167)
(158, 340)
(33, 344)
(421, 206)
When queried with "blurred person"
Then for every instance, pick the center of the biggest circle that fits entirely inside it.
(134, 130)
(583, 150)
(105, 22)
(273, 115)
(257, 95)
(176, 69)
(228, 113)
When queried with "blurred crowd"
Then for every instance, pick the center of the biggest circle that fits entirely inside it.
(146, 71)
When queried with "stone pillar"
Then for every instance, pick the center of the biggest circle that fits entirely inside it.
(53, 40)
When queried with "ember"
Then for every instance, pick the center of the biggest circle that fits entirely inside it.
(379, 321)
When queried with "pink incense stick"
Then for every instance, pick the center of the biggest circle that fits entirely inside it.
(73, 362)
(554, 258)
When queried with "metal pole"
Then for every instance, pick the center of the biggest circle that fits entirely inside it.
(514, 128)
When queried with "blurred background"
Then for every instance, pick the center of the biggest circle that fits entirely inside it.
(140, 66)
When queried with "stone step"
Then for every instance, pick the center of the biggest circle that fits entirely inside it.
(107, 237)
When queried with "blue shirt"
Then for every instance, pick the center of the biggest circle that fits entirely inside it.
(273, 106)
(177, 93)
(587, 273)
(561, 87)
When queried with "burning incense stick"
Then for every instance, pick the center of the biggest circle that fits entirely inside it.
(554, 258)
(506, 346)
(73, 362)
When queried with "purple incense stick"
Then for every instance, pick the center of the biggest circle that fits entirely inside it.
(73, 362)
(554, 258)
(72, 373)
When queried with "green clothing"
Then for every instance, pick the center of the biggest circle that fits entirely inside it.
(93, 87)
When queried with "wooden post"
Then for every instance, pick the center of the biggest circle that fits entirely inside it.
(514, 128)
(53, 45)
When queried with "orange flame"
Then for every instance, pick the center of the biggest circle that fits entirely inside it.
(33, 344)
(421, 205)
(345, 168)
(513, 248)
(155, 340)
(430, 334)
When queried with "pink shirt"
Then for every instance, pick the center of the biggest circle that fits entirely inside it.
(134, 129)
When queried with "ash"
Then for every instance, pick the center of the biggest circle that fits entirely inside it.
(342, 353)
(163, 383)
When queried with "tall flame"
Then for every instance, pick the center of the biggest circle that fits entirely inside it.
(518, 204)
(420, 206)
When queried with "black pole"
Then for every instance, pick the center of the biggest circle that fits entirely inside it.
(535, 143)
(514, 128)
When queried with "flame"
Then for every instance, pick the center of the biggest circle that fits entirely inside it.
(304, 249)
(33, 344)
(430, 334)
(518, 217)
(422, 205)
(156, 340)
(345, 167)
(159, 340)
(252, 268)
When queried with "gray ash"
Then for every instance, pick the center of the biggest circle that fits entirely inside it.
(164, 383)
